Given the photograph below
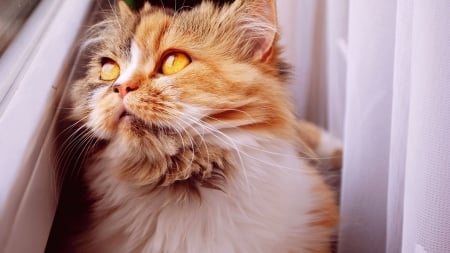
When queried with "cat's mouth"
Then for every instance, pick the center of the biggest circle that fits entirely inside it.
(125, 113)
(137, 124)
(129, 118)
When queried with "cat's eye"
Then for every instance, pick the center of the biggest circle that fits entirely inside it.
(110, 70)
(174, 62)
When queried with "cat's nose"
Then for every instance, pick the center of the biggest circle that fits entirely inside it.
(124, 89)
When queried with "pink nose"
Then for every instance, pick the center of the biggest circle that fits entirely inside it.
(124, 89)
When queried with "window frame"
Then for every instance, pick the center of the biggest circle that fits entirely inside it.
(34, 70)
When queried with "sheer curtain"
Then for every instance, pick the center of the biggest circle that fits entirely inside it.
(377, 74)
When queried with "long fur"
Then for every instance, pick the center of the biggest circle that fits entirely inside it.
(206, 159)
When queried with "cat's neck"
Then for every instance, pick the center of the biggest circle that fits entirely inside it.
(183, 163)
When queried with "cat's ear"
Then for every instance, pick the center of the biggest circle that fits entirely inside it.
(261, 27)
(125, 11)
(147, 7)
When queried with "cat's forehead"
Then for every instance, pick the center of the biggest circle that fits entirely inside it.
(150, 31)
(159, 30)
(204, 31)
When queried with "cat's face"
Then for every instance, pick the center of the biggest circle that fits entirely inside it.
(159, 73)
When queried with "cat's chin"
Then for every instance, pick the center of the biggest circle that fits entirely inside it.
(131, 123)
(125, 114)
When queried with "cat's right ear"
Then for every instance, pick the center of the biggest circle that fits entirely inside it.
(259, 24)
(125, 11)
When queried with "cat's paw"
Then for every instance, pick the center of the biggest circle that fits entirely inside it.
(324, 151)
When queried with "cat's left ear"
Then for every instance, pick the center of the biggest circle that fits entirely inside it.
(125, 10)
(263, 29)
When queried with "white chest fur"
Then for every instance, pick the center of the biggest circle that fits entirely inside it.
(265, 207)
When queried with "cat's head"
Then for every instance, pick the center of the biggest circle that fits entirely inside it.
(156, 72)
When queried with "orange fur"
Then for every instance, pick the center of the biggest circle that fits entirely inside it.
(153, 134)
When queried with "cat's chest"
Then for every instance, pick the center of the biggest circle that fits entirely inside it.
(256, 206)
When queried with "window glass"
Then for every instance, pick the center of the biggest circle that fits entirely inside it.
(13, 14)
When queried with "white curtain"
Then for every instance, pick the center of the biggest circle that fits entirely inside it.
(377, 74)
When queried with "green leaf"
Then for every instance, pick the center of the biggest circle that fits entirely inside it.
(130, 3)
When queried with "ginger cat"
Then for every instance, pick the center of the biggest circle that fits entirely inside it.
(190, 140)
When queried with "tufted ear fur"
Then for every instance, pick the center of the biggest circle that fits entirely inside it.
(260, 26)
(125, 11)
(147, 7)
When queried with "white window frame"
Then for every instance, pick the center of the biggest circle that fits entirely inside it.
(33, 72)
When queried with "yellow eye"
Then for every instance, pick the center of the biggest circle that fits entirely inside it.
(174, 63)
(110, 70)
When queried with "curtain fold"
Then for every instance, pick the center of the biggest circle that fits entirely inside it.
(399, 126)
(302, 29)
(382, 83)
(367, 126)
(336, 64)
(427, 173)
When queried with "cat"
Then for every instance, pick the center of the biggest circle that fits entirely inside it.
(190, 138)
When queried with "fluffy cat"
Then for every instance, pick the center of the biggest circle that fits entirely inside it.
(194, 147)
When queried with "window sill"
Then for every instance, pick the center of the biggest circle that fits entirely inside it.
(27, 196)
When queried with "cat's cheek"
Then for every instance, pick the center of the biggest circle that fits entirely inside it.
(191, 116)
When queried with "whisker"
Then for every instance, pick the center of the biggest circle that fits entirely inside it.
(215, 132)
(65, 156)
